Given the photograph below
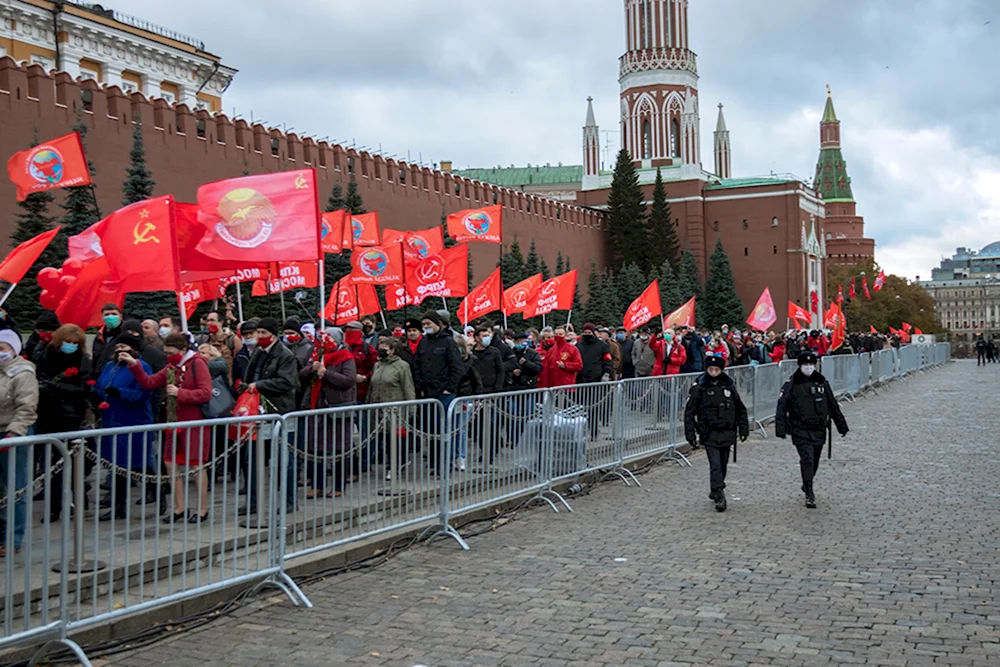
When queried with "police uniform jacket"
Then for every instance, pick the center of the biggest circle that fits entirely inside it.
(805, 407)
(715, 412)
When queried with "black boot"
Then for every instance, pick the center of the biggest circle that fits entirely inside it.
(720, 501)
(712, 495)
(119, 513)
(810, 496)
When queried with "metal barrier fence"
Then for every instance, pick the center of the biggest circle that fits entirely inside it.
(319, 479)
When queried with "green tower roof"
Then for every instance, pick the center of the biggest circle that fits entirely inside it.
(829, 115)
(832, 180)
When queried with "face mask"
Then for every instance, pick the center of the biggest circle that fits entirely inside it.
(560, 339)
(383, 353)
(175, 359)
(487, 340)
(164, 332)
(519, 346)
(548, 342)
(368, 327)
(509, 342)
(353, 337)
(292, 338)
(588, 338)
(69, 348)
(45, 336)
(808, 370)
(213, 329)
(5, 357)
(620, 336)
(112, 321)
(644, 338)
(250, 342)
(667, 337)
(397, 334)
(265, 341)
(429, 332)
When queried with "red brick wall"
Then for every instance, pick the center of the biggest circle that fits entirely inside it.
(180, 161)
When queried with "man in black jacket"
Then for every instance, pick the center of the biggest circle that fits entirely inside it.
(273, 372)
(529, 364)
(715, 413)
(626, 343)
(488, 361)
(103, 348)
(805, 407)
(438, 369)
(596, 357)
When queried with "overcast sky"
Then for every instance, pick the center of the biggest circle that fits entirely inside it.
(503, 82)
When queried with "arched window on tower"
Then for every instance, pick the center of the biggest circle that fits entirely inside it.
(647, 140)
(675, 138)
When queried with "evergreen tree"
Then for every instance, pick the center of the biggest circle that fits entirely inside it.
(138, 186)
(689, 284)
(670, 295)
(627, 233)
(81, 208)
(353, 202)
(512, 265)
(336, 200)
(531, 265)
(602, 305)
(544, 269)
(34, 220)
(630, 284)
(663, 245)
(560, 264)
(722, 304)
(449, 242)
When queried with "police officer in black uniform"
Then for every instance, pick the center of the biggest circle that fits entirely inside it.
(715, 413)
(805, 407)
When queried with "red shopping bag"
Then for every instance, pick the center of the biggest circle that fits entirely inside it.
(247, 405)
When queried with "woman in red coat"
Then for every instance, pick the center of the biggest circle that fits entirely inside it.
(676, 356)
(191, 387)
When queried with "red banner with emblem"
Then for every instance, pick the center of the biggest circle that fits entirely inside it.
(645, 308)
(331, 231)
(195, 293)
(444, 274)
(416, 245)
(378, 265)
(683, 316)
(138, 242)
(487, 297)
(361, 231)
(554, 294)
(478, 224)
(515, 298)
(288, 276)
(59, 163)
(763, 315)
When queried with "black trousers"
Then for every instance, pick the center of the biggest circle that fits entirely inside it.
(810, 447)
(717, 449)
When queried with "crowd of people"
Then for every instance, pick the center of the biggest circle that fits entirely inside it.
(140, 373)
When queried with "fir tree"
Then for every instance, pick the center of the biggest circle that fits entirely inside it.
(531, 266)
(81, 208)
(663, 245)
(138, 186)
(722, 304)
(627, 235)
(336, 200)
(689, 283)
(560, 264)
(670, 296)
(543, 268)
(512, 265)
(630, 284)
(602, 305)
(34, 220)
(353, 202)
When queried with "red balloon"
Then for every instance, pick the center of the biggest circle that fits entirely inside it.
(49, 300)
(65, 283)
(72, 267)
(48, 277)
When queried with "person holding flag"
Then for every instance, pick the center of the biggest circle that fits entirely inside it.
(716, 415)
(806, 406)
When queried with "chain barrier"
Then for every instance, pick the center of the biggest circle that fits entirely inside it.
(33, 486)
(138, 476)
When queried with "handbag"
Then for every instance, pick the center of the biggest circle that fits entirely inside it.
(222, 402)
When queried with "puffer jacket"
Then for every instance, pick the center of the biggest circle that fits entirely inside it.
(18, 396)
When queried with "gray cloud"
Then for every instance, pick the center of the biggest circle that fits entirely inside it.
(486, 83)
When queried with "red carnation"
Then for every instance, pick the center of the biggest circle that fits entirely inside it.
(91, 383)
(104, 405)
(72, 372)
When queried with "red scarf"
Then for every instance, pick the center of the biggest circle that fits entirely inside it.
(329, 359)
(413, 345)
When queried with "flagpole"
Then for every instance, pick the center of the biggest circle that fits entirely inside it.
(543, 320)
(268, 284)
(239, 301)
(281, 297)
(322, 286)
(569, 318)
(184, 317)
(7, 293)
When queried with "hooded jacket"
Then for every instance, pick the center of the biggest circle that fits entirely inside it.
(554, 376)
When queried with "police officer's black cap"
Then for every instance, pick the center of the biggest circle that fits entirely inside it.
(520, 335)
(808, 358)
(412, 324)
(712, 360)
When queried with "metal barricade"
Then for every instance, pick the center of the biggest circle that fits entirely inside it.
(590, 413)
(647, 409)
(744, 379)
(35, 592)
(768, 381)
(864, 371)
(834, 369)
(360, 470)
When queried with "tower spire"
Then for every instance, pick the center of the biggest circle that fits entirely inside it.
(832, 180)
(591, 148)
(723, 156)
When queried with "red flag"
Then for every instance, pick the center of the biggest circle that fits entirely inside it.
(331, 231)
(139, 244)
(362, 232)
(864, 284)
(194, 265)
(907, 327)
(368, 303)
(839, 327)
(894, 332)
(645, 308)
(917, 331)
(95, 286)
(342, 307)
(852, 294)
(872, 329)
(86, 246)
(840, 295)
(378, 265)
(814, 300)
(798, 314)
(397, 297)
(266, 218)
(198, 292)
(288, 276)
(555, 294)
(879, 281)
(59, 163)
(515, 299)
(416, 245)
(486, 297)
(479, 224)
(828, 317)
(443, 274)
(683, 316)
(20, 260)
(763, 315)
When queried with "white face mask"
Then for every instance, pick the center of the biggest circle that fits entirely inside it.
(808, 370)
(429, 332)
(164, 332)
(5, 357)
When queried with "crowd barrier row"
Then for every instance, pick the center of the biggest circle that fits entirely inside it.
(89, 541)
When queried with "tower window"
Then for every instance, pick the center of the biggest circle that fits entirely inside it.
(675, 138)
(746, 224)
(647, 140)
(746, 252)
(775, 250)
(715, 226)
(774, 222)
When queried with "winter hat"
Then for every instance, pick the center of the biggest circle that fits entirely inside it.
(589, 327)
(47, 321)
(292, 324)
(134, 342)
(13, 339)
(336, 333)
(309, 329)
(712, 360)
(808, 358)
(133, 328)
(434, 317)
(248, 327)
(268, 324)
(412, 324)
(354, 325)
(445, 317)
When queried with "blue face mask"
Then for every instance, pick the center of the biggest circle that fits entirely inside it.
(68, 348)
(620, 336)
(112, 321)
(519, 346)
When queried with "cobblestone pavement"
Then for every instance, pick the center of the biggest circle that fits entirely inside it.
(898, 566)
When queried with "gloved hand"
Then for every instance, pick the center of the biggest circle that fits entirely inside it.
(605, 377)
(743, 437)
(112, 392)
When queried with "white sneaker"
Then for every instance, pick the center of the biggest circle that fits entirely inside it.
(460, 463)
(388, 475)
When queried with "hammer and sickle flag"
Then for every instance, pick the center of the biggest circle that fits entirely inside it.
(140, 246)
